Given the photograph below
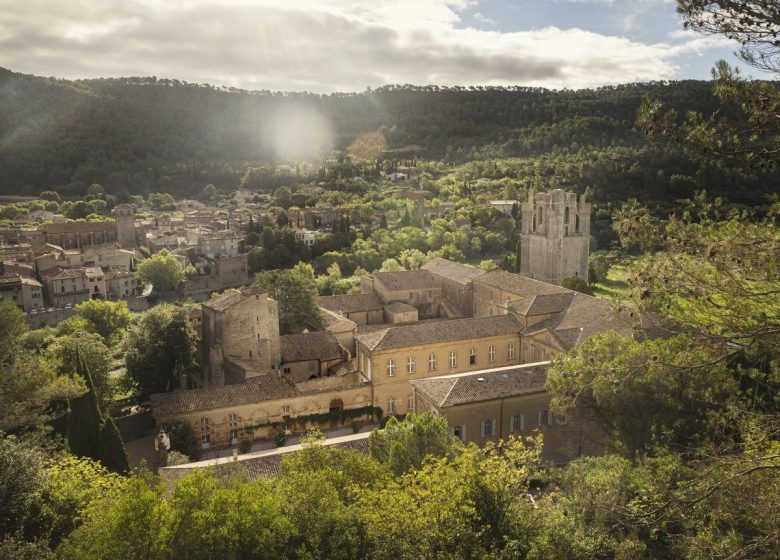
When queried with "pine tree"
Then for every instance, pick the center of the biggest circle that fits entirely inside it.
(111, 449)
(84, 419)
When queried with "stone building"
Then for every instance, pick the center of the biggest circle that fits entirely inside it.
(125, 226)
(225, 415)
(71, 286)
(418, 288)
(363, 309)
(74, 235)
(494, 404)
(310, 355)
(555, 236)
(24, 292)
(456, 281)
(240, 334)
(392, 357)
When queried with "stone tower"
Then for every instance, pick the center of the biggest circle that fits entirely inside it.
(125, 226)
(555, 236)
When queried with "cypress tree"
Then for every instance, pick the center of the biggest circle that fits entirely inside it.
(517, 253)
(111, 449)
(84, 417)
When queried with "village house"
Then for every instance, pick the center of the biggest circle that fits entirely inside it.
(64, 286)
(24, 292)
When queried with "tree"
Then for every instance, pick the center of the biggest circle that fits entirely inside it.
(65, 351)
(404, 445)
(577, 284)
(161, 349)
(681, 386)
(747, 131)
(598, 267)
(84, 418)
(183, 439)
(209, 193)
(12, 327)
(52, 196)
(79, 210)
(22, 479)
(296, 293)
(162, 270)
(111, 448)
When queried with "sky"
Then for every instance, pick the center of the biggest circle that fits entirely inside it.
(350, 45)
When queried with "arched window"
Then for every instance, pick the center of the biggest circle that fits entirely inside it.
(566, 215)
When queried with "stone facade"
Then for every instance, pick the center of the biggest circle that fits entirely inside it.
(555, 237)
(495, 404)
(24, 292)
(125, 226)
(244, 327)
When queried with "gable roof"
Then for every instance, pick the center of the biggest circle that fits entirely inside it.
(439, 331)
(485, 385)
(586, 316)
(256, 389)
(406, 280)
(351, 303)
(309, 346)
(520, 285)
(450, 270)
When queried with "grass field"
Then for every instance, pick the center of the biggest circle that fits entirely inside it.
(615, 286)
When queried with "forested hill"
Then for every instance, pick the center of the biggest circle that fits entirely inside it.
(149, 134)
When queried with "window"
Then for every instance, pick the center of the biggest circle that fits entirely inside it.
(453, 359)
(391, 405)
(390, 367)
(488, 428)
(492, 354)
(233, 419)
(473, 356)
(431, 362)
(517, 423)
(410, 364)
(250, 353)
(205, 441)
(233, 436)
(510, 351)
(410, 403)
(204, 424)
(544, 418)
(411, 296)
(286, 370)
(459, 432)
(286, 409)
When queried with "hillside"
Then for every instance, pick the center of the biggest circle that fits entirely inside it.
(149, 134)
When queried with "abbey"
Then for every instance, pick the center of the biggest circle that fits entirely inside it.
(555, 239)
(459, 326)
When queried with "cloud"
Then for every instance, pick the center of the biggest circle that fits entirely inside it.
(483, 18)
(335, 45)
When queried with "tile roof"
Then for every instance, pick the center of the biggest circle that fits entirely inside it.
(586, 316)
(260, 464)
(65, 273)
(543, 304)
(351, 303)
(456, 272)
(406, 280)
(230, 298)
(485, 385)
(399, 307)
(330, 318)
(439, 331)
(519, 285)
(309, 346)
(256, 389)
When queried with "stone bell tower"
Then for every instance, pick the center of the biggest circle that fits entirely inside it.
(125, 226)
(555, 236)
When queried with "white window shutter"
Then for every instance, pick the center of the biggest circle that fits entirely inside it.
(463, 433)
(522, 422)
(549, 418)
(492, 427)
(482, 428)
(539, 418)
(512, 423)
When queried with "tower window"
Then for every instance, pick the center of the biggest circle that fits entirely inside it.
(577, 223)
